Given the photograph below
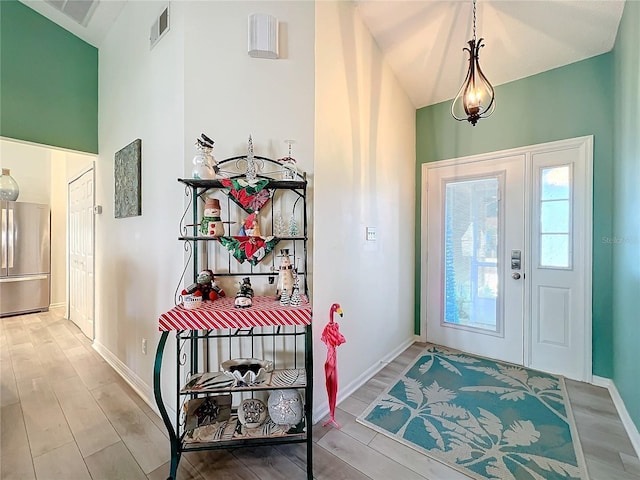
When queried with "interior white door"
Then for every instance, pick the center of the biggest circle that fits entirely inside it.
(511, 279)
(81, 252)
(476, 220)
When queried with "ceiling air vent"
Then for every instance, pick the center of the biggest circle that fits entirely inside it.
(79, 11)
(159, 27)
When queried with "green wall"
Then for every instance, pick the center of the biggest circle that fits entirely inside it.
(626, 216)
(48, 81)
(566, 102)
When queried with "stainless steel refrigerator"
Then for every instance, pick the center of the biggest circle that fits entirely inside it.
(25, 276)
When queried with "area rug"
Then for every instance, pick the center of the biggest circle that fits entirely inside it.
(487, 419)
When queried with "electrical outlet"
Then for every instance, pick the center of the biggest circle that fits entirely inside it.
(144, 346)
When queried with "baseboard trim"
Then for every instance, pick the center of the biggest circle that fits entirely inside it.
(57, 305)
(139, 386)
(323, 409)
(629, 426)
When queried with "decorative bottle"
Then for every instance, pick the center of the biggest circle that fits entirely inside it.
(9, 189)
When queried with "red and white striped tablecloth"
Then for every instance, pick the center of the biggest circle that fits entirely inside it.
(221, 313)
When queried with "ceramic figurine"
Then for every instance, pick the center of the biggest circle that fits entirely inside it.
(204, 165)
(279, 227)
(285, 275)
(289, 164)
(293, 226)
(211, 223)
(285, 299)
(245, 294)
(295, 300)
(250, 227)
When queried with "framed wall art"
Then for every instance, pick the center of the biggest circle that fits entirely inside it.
(128, 180)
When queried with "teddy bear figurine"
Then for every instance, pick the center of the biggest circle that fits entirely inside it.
(208, 287)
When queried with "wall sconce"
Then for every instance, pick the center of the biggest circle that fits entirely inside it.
(263, 36)
(476, 96)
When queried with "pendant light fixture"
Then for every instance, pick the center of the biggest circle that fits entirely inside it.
(476, 96)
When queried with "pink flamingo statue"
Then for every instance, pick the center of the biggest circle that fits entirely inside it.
(333, 338)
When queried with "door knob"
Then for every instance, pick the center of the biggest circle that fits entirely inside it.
(515, 276)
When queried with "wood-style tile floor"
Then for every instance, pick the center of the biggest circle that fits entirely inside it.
(67, 415)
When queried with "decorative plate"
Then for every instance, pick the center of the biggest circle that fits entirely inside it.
(252, 412)
(285, 407)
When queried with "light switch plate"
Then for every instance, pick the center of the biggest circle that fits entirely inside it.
(371, 234)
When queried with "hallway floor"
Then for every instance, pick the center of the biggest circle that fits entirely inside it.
(67, 415)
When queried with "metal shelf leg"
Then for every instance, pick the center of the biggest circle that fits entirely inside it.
(308, 339)
(157, 391)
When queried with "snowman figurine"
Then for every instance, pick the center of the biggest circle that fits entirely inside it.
(285, 275)
(245, 294)
(204, 164)
(211, 223)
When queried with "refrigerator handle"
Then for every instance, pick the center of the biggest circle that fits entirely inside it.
(10, 238)
(4, 238)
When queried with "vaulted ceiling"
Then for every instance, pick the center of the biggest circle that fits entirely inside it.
(423, 39)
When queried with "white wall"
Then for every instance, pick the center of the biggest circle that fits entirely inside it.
(364, 174)
(42, 174)
(354, 130)
(195, 80)
(58, 203)
(229, 95)
(31, 167)
(138, 259)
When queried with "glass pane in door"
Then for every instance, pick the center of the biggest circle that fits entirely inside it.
(471, 253)
(555, 217)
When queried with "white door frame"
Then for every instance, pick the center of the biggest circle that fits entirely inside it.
(89, 169)
(587, 257)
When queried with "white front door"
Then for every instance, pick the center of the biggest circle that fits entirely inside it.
(476, 219)
(506, 265)
(81, 245)
(560, 267)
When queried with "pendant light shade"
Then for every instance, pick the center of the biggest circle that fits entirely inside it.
(476, 97)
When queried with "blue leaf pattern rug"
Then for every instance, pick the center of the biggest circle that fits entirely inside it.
(487, 419)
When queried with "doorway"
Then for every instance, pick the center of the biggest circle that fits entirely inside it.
(506, 263)
(81, 252)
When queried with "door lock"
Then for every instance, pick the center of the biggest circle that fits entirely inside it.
(515, 276)
(516, 259)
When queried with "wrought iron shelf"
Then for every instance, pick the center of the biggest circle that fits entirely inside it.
(266, 385)
(273, 184)
(237, 332)
(209, 238)
(238, 440)
(206, 336)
